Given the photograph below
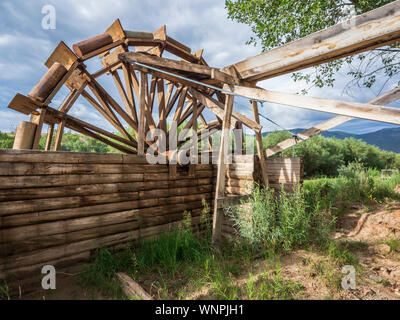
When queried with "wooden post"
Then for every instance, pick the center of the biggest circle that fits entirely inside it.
(59, 135)
(39, 126)
(24, 135)
(49, 138)
(239, 138)
(220, 186)
(259, 142)
(192, 167)
(142, 98)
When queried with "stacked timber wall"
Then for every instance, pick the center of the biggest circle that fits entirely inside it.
(57, 207)
(246, 170)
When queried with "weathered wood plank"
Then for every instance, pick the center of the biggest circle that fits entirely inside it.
(371, 30)
(351, 109)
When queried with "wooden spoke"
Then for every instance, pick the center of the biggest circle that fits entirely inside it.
(128, 84)
(59, 135)
(162, 122)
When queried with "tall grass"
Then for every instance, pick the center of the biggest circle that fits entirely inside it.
(280, 221)
(353, 184)
(182, 260)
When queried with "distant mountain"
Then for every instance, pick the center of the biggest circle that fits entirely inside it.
(386, 139)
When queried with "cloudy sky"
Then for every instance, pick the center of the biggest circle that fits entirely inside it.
(200, 24)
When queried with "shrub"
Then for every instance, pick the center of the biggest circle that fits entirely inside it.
(279, 221)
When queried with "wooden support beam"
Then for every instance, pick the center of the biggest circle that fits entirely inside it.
(49, 137)
(94, 135)
(239, 138)
(162, 112)
(115, 106)
(55, 116)
(142, 99)
(105, 110)
(180, 66)
(218, 109)
(220, 186)
(351, 109)
(260, 150)
(59, 135)
(386, 98)
(39, 126)
(126, 68)
(203, 120)
(173, 79)
(201, 135)
(72, 97)
(179, 106)
(173, 99)
(371, 30)
(124, 97)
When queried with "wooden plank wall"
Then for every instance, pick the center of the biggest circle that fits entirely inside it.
(246, 170)
(58, 207)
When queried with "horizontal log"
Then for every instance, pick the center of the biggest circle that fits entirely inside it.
(99, 230)
(85, 211)
(230, 201)
(66, 226)
(25, 206)
(138, 34)
(164, 176)
(9, 155)
(57, 252)
(21, 168)
(84, 47)
(237, 190)
(240, 176)
(284, 160)
(92, 189)
(23, 276)
(131, 288)
(8, 182)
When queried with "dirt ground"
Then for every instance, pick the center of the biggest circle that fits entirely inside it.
(366, 230)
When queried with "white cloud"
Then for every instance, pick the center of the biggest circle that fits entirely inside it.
(200, 24)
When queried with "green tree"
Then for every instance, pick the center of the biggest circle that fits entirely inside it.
(324, 156)
(277, 22)
(6, 141)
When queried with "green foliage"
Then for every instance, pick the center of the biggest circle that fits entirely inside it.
(6, 141)
(275, 23)
(271, 287)
(394, 245)
(354, 183)
(324, 156)
(172, 248)
(274, 138)
(281, 221)
(4, 292)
